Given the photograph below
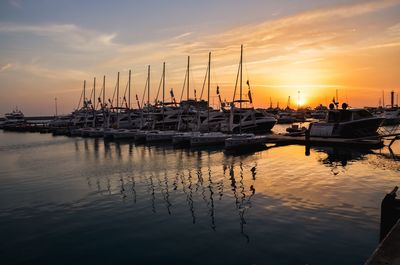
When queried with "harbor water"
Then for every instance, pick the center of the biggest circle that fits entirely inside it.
(87, 201)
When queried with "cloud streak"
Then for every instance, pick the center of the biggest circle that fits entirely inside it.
(67, 35)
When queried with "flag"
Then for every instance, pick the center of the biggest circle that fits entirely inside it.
(250, 98)
(171, 92)
(137, 98)
(217, 90)
(99, 99)
(248, 83)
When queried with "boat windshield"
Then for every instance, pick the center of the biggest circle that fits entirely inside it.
(339, 116)
(347, 115)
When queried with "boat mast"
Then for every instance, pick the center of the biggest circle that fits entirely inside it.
(188, 65)
(94, 93)
(208, 94)
(241, 77)
(163, 94)
(94, 102)
(118, 100)
(84, 93)
(129, 91)
(104, 90)
(148, 86)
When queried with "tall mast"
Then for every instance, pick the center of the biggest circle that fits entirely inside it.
(148, 86)
(188, 65)
(129, 91)
(117, 96)
(241, 76)
(208, 93)
(163, 93)
(94, 93)
(104, 89)
(94, 102)
(84, 93)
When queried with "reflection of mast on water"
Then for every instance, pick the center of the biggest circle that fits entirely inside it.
(241, 203)
(122, 188)
(165, 192)
(211, 208)
(108, 186)
(242, 206)
(189, 195)
(166, 198)
(133, 188)
(153, 197)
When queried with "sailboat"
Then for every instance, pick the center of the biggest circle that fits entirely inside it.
(208, 138)
(160, 135)
(239, 139)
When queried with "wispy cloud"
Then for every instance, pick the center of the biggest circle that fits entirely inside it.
(5, 67)
(67, 35)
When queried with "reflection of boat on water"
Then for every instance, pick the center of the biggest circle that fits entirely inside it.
(346, 123)
(341, 155)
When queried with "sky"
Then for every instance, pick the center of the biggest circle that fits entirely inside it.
(304, 49)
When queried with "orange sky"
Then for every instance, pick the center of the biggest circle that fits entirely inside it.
(352, 47)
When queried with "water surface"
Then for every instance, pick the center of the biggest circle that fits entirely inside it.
(72, 200)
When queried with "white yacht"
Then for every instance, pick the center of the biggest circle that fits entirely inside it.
(14, 118)
(208, 139)
(248, 120)
(244, 140)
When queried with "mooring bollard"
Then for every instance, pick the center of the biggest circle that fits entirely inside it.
(390, 212)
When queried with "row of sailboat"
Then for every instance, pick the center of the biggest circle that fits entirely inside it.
(190, 122)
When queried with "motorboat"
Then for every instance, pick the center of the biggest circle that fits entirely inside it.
(346, 123)
(248, 121)
(244, 140)
(183, 138)
(208, 139)
(124, 134)
(159, 136)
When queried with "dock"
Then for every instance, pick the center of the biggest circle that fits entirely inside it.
(388, 251)
(281, 139)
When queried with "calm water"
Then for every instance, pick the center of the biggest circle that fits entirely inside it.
(73, 200)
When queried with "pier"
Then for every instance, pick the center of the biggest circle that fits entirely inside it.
(387, 251)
